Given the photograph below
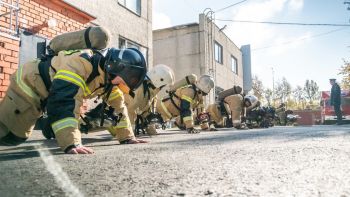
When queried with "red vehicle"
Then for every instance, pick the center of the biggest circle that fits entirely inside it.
(327, 111)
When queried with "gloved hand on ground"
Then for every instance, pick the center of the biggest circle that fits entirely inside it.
(193, 130)
(133, 141)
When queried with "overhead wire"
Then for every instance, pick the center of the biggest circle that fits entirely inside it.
(286, 23)
(292, 41)
(221, 9)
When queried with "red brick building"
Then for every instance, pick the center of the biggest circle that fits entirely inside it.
(26, 26)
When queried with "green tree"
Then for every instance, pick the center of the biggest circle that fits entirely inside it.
(345, 71)
(283, 90)
(299, 96)
(258, 88)
(268, 95)
(311, 91)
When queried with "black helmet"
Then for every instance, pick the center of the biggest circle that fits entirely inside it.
(129, 64)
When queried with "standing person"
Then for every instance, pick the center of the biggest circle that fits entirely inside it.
(60, 84)
(281, 113)
(335, 100)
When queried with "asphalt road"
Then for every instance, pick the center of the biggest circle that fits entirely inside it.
(278, 161)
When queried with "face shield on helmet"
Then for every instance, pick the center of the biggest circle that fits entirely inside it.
(129, 64)
(250, 100)
(205, 83)
(161, 75)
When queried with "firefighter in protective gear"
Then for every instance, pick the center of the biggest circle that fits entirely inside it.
(219, 110)
(60, 83)
(281, 113)
(236, 106)
(184, 100)
(140, 106)
(251, 102)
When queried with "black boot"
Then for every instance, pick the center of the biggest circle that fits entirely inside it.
(11, 140)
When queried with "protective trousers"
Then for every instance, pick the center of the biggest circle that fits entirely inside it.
(21, 106)
(123, 130)
(215, 114)
(235, 107)
(281, 115)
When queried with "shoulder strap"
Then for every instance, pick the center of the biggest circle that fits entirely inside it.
(172, 100)
(44, 71)
(146, 90)
(87, 38)
(95, 61)
(195, 91)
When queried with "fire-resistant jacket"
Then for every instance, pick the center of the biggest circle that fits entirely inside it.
(215, 114)
(69, 74)
(235, 106)
(181, 103)
(141, 103)
(68, 90)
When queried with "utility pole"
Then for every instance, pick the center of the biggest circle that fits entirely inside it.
(347, 2)
(273, 86)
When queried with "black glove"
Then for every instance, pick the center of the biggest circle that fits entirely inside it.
(193, 130)
(46, 129)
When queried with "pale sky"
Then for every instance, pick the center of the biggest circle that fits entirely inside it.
(297, 53)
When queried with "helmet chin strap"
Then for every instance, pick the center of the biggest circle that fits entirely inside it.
(107, 89)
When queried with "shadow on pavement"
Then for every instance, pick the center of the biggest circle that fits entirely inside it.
(25, 152)
(276, 133)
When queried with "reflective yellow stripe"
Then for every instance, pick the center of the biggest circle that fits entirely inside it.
(73, 78)
(70, 52)
(186, 98)
(122, 124)
(24, 86)
(165, 110)
(187, 118)
(64, 123)
(115, 94)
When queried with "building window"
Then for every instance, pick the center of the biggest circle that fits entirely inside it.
(125, 43)
(234, 65)
(218, 52)
(132, 5)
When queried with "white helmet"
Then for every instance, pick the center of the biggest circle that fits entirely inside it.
(205, 83)
(251, 99)
(161, 75)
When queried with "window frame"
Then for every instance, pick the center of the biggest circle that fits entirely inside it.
(220, 54)
(234, 68)
(128, 42)
(123, 3)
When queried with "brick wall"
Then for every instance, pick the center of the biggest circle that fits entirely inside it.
(308, 117)
(33, 17)
(8, 62)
